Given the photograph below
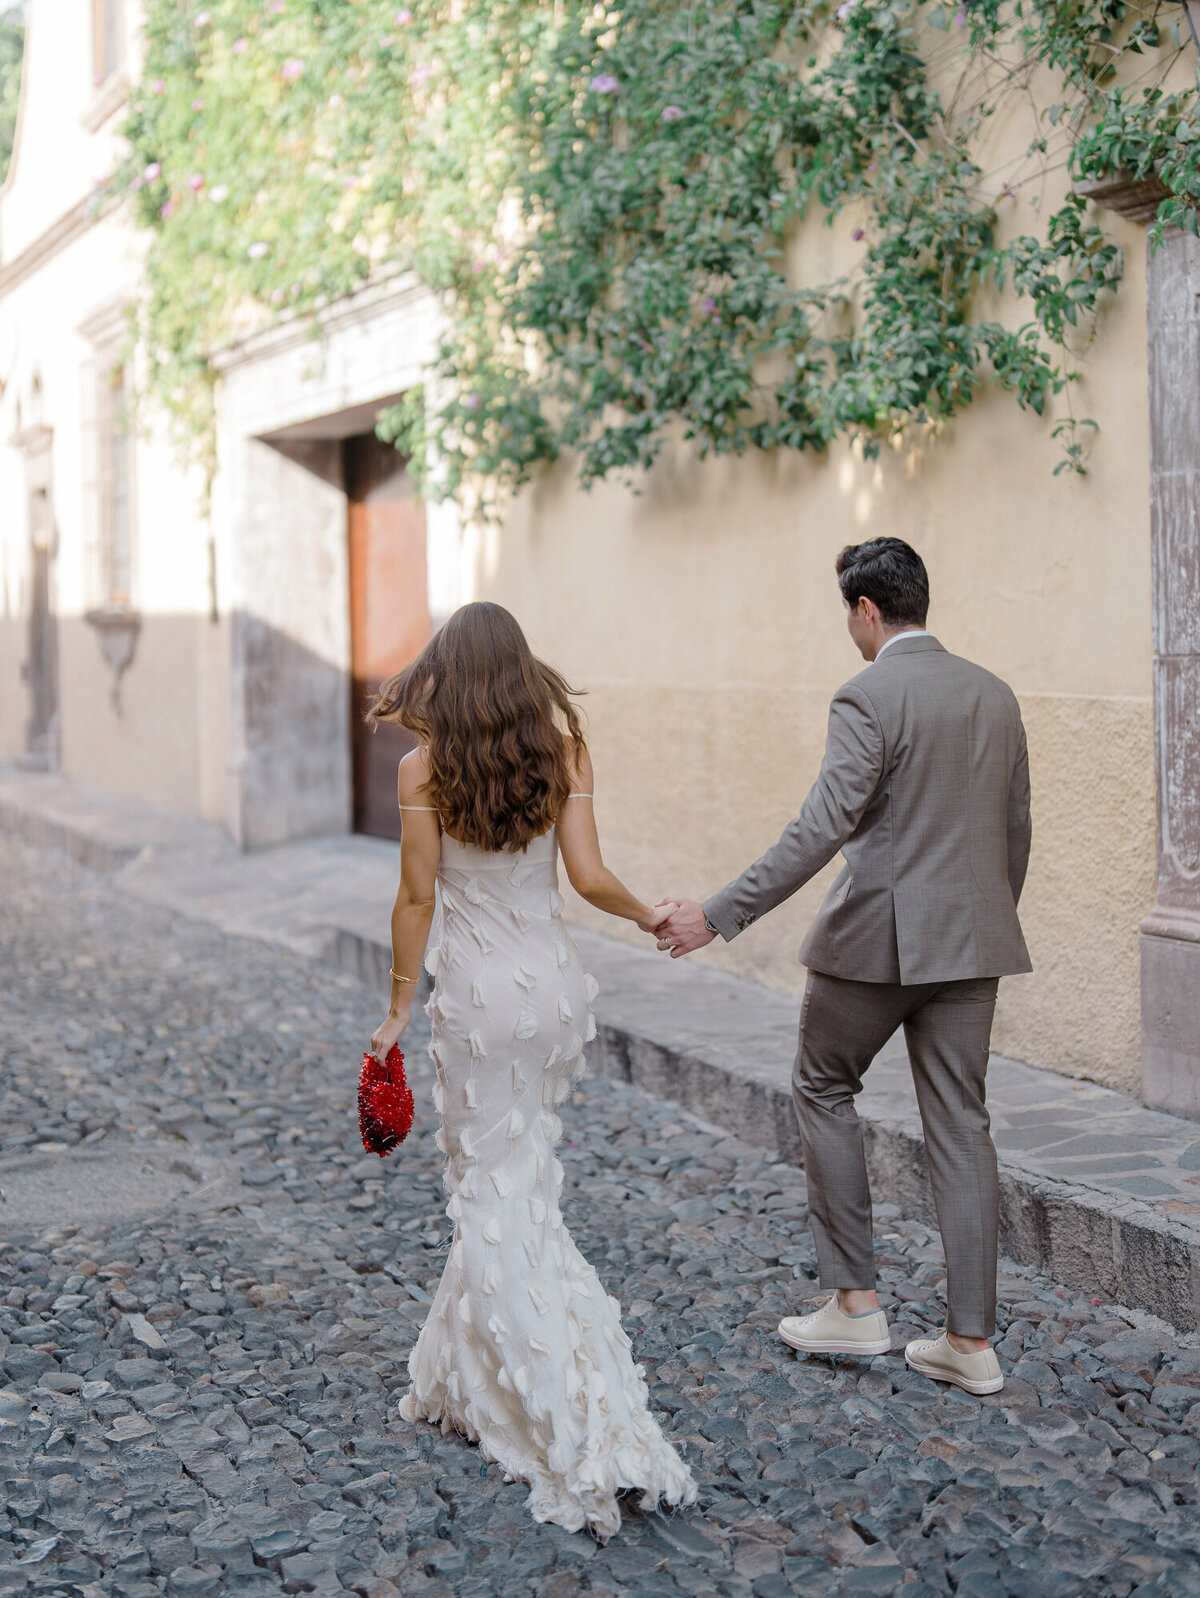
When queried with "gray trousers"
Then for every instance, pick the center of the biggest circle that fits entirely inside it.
(947, 1026)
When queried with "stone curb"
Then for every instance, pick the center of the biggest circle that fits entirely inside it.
(1119, 1251)
(49, 833)
(1106, 1244)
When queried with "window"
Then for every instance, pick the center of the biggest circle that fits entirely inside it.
(108, 52)
(114, 485)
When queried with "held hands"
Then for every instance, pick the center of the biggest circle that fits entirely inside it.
(684, 928)
(391, 1031)
(656, 917)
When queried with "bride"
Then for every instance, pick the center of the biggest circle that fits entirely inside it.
(523, 1350)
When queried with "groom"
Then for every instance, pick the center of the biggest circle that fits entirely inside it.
(924, 789)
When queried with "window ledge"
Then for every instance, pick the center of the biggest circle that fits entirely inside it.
(117, 627)
(1137, 199)
(110, 96)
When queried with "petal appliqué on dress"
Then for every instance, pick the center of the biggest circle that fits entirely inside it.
(549, 1392)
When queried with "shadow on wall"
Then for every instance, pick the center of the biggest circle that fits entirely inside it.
(289, 749)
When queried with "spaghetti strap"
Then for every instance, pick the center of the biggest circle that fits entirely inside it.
(432, 809)
(581, 796)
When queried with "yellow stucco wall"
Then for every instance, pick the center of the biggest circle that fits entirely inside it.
(701, 616)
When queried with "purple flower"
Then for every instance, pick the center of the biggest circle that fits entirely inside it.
(603, 83)
(136, 183)
(196, 181)
(672, 113)
(858, 234)
(203, 20)
(153, 171)
(197, 105)
(421, 73)
(168, 210)
(960, 17)
(240, 46)
(843, 11)
(403, 16)
(472, 402)
(335, 101)
(275, 8)
(257, 250)
(709, 307)
(292, 69)
(158, 86)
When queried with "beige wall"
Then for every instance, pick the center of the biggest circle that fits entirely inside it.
(67, 273)
(148, 749)
(703, 619)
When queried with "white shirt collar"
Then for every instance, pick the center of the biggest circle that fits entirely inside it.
(913, 632)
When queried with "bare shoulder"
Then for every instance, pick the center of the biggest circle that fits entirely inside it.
(412, 778)
(579, 766)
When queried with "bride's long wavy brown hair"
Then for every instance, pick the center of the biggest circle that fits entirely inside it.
(498, 724)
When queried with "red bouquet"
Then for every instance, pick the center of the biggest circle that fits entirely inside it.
(385, 1103)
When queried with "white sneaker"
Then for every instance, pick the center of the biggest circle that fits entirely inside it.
(828, 1331)
(974, 1373)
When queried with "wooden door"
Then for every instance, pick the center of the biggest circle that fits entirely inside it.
(389, 616)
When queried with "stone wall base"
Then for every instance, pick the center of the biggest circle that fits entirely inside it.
(1171, 1022)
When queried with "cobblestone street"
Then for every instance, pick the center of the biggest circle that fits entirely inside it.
(208, 1292)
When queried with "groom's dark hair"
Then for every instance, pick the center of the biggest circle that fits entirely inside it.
(890, 572)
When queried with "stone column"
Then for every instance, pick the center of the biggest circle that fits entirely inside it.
(1171, 932)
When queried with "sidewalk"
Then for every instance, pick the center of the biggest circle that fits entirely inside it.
(1095, 1189)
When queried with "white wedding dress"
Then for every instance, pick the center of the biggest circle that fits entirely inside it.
(523, 1350)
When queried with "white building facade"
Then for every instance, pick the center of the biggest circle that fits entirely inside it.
(212, 656)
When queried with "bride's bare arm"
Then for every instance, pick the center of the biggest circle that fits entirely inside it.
(586, 871)
(420, 852)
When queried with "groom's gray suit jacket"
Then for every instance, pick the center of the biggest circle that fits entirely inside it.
(925, 790)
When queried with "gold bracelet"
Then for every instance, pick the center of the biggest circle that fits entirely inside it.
(396, 977)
